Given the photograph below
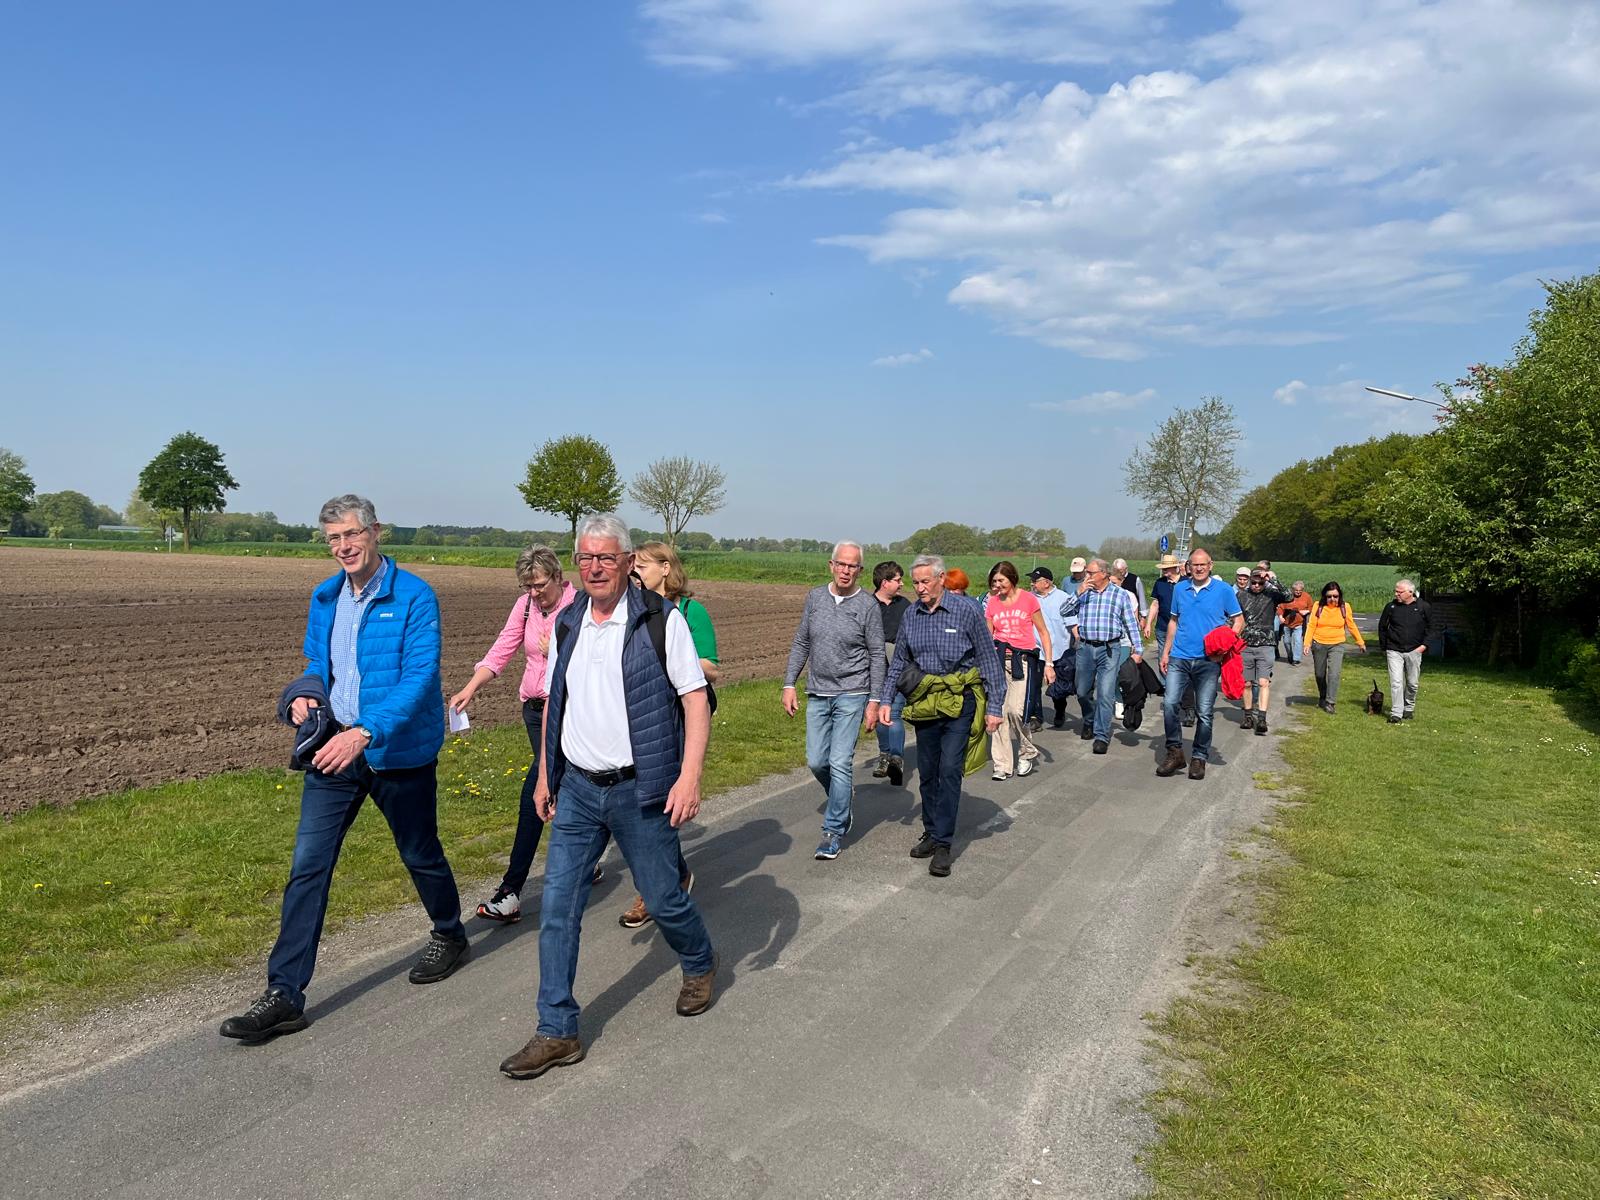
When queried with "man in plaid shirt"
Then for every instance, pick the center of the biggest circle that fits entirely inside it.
(1108, 630)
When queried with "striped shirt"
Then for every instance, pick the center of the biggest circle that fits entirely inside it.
(952, 636)
(344, 694)
(1109, 616)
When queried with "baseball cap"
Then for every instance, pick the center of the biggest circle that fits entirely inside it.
(1077, 565)
(1242, 572)
(1042, 573)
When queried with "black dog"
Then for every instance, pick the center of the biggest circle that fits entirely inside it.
(1375, 700)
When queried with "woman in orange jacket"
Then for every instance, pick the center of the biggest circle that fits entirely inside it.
(1327, 624)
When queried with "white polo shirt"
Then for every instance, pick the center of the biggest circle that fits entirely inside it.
(594, 724)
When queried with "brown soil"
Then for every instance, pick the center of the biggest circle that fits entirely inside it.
(124, 670)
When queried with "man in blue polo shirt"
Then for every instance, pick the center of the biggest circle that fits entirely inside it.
(1199, 604)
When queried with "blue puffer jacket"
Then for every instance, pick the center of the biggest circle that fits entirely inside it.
(655, 716)
(402, 696)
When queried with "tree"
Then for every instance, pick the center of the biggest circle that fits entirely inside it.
(187, 477)
(70, 512)
(1187, 470)
(947, 537)
(572, 476)
(16, 487)
(678, 490)
(142, 513)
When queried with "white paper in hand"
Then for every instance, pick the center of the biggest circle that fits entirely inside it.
(458, 721)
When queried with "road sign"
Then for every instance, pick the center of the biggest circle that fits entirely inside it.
(1166, 543)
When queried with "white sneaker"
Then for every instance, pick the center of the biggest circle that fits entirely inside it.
(1001, 776)
(1025, 767)
(503, 906)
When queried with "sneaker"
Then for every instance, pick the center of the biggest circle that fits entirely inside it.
(1394, 720)
(1101, 747)
(882, 767)
(1059, 723)
(925, 847)
(540, 1054)
(1174, 763)
(1197, 768)
(1000, 776)
(1249, 721)
(829, 848)
(897, 770)
(637, 914)
(505, 906)
(270, 1015)
(694, 997)
(441, 958)
(1086, 732)
(1035, 724)
(1410, 715)
(1024, 767)
(1188, 720)
(1261, 726)
(939, 864)
(599, 874)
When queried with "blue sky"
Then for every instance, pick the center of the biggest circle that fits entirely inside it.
(886, 261)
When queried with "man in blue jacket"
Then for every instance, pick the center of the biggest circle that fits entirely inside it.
(372, 637)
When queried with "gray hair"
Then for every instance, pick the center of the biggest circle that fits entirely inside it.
(1407, 584)
(1119, 564)
(346, 505)
(1097, 562)
(841, 545)
(929, 560)
(607, 527)
(540, 560)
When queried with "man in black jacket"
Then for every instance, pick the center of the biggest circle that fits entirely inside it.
(1403, 632)
(1259, 599)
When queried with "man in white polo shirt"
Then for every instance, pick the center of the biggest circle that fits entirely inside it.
(625, 729)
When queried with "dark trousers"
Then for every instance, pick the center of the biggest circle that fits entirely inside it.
(1066, 683)
(1033, 698)
(529, 826)
(329, 805)
(941, 764)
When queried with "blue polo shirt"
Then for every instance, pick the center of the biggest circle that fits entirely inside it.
(1199, 611)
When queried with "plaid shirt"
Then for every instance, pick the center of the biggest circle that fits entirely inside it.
(1107, 615)
(950, 637)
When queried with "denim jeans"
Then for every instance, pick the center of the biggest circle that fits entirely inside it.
(587, 815)
(892, 738)
(1097, 685)
(329, 805)
(941, 765)
(832, 725)
(1293, 640)
(1205, 677)
(529, 826)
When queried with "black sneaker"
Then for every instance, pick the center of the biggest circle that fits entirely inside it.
(440, 958)
(1100, 747)
(939, 864)
(1393, 720)
(270, 1015)
(1086, 732)
(1410, 716)
(897, 770)
(925, 847)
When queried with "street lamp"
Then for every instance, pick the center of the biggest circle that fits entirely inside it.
(1406, 396)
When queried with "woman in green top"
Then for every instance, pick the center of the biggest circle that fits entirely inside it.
(658, 567)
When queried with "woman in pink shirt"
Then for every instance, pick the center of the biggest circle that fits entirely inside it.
(1019, 635)
(529, 626)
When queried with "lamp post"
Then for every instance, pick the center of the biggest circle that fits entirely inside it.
(1407, 396)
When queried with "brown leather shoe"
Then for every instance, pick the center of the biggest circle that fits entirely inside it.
(694, 997)
(1197, 769)
(635, 916)
(1174, 763)
(540, 1054)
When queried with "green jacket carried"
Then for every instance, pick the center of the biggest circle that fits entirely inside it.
(937, 696)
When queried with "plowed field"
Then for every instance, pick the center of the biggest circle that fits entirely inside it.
(123, 670)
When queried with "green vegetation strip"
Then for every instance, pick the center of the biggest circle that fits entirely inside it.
(131, 893)
(1420, 1017)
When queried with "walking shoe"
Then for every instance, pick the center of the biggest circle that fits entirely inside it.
(1000, 776)
(925, 847)
(1197, 768)
(1394, 720)
(1175, 762)
(1059, 723)
(1249, 721)
(1086, 732)
(1410, 715)
(540, 1054)
(440, 958)
(1326, 707)
(694, 997)
(599, 874)
(1035, 724)
(881, 767)
(1261, 725)
(1188, 720)
(270, 1015)
(829, 847)
(939, 864)
(897, 770)
(504, 906)
(637, 915)
(1024, 767)
(1101, 747)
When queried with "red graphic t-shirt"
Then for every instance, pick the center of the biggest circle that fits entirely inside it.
(1013, 619)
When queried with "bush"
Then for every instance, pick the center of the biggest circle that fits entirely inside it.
(1570, 660)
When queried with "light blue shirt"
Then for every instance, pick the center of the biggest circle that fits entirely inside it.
(1056, 620)
(344, 694)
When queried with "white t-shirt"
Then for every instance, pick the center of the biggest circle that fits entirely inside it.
(594, 724)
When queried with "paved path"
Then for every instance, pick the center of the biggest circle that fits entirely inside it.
(879, 1032)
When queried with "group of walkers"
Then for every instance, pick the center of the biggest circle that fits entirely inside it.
(617, 697)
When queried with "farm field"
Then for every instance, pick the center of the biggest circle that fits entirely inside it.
(126, 670)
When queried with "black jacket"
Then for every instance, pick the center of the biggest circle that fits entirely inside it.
(318, 726)
(1138, 681)
(1404, 627)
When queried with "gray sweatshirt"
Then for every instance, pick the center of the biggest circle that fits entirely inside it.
(843, 642)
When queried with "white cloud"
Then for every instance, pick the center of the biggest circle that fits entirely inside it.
(1098, 402)
(1354, 412)
(903, 360)
(1358, 157)
(712, 217)
(1290, 392)
(906, 89)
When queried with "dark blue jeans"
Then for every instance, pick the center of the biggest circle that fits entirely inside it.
(1205, 677)
(941, 764)
(529, 826)
(1097, 685)
(329, 805)
(587, 816)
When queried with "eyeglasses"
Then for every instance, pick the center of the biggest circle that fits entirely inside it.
(539, 585)
(844, 566)
(339, 539)
(604, 560)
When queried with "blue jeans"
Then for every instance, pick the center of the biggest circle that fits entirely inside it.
(941, 765)
(892, 738)
(587, 816)
(832, 725)
(1205, 677)
(1097, 685)
(329, 805)
(1294, 640)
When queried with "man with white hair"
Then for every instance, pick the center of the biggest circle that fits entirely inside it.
(625, 728)
(839, 644)
(1404, 627)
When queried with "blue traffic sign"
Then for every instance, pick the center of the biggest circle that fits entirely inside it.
(1166, 543)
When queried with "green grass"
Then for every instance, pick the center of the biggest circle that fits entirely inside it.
(129, 893)
(1420, 1017)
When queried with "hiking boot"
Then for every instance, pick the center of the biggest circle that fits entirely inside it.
(939, 864)
(440, 958)
(1175, 762)
(1261, 725)
(1101, 747)
(1197, 768)
(637, 915)
(505, 906)
(829, 849)
(270, 1015)
(694, 997)
(897, 770)
(540, 1054)
(1249, 721)
(925, 847)
(881, 767)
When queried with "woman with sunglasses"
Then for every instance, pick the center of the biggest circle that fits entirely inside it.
(1019, 632)
(1327, 624)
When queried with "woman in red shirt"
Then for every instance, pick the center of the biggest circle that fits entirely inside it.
(1020, 636)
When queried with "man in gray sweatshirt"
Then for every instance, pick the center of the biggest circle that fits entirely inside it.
(841, 638)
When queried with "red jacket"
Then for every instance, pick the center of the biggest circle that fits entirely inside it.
(1222, 642)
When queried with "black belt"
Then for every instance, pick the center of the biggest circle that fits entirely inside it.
(1092, 642)
(605, 778)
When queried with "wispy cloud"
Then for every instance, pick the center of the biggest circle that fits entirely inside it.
(712, 217)
(1356, 410)
(1098, 402)
(904, 360)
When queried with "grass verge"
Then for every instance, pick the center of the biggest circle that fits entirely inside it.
(1419, 1017)
(137, 891)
